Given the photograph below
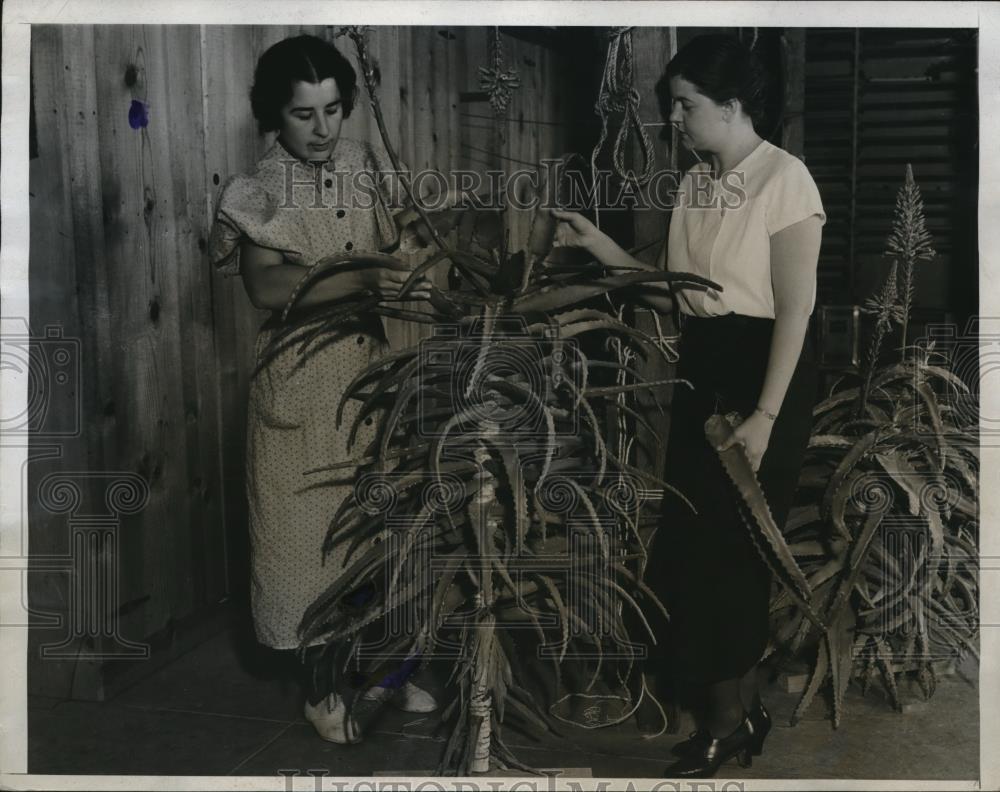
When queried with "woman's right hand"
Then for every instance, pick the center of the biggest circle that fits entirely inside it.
(575, 230)
(388, 280)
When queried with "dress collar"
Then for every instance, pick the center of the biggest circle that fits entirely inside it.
(278, 153)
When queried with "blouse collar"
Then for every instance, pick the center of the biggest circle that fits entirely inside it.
(753, 153)
(742, 164)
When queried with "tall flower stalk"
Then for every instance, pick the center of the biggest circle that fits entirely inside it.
(885, 307)
(909, 242)
(888, 525)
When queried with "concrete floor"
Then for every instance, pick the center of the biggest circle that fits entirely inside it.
(208, 714)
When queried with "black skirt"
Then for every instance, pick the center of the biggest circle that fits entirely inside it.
(705, 567)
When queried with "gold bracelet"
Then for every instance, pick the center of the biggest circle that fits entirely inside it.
(766, 414)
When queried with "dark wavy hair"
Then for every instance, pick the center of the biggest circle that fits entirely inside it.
(722, 68)
(297, 59)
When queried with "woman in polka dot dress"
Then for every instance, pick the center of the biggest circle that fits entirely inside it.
(312, 195)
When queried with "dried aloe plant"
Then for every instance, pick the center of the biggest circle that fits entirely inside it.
(493, 504)
(888, 540)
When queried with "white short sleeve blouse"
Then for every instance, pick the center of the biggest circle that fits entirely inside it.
(721, 229)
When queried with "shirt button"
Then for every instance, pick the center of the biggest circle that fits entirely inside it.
(368, 421)
(349, 246)
(341, 213)
(361, 340)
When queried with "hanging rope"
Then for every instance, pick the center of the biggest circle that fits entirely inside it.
(497, 81)
(618, 95)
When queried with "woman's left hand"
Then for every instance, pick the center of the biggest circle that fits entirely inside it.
(754, 433)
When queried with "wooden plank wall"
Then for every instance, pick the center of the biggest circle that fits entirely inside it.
(120, 219)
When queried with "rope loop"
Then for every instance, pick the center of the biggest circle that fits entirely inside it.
(618, 96)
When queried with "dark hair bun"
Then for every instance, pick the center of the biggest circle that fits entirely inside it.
(722, 68)
(297, 59)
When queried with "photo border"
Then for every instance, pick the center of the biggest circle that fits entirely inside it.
(18, 15)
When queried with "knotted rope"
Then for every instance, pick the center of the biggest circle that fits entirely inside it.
(618, 95)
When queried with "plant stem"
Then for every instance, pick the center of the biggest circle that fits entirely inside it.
(907, 292)
(358, 37)
(873, 355)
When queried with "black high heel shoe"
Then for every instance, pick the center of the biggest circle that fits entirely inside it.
(760, 719)
(706, 762)
(697, 741)
(694, 744)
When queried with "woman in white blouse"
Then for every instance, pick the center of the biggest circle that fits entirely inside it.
(749, 217)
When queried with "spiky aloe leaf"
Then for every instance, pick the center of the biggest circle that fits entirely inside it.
(443, 596)
(316, 623)
(617, 368)
(327, 332)
(563, 612)
(614, 390)
(529, 611)
(840, 643)
(863, 446)
(927, 680)
(819, 674)
(600, 448)
(844, 497)
(389, 360)
(304, 332)
(509, 758)
(388, 660)
(763, 529)
(419, 271)
(354, 624)
(421, 317)
(459, 733)
(396, 381)
(613, 325)
(515, 482)
(641, 586)
(602, 493)
(800, 516)
(885, 664)
(551, 298)
(858, 554)
(361, 569)
(635, 608)
(410, 391)
(579, 315)
(830, 569)
(641, 422)
(969, 477)
(342, 262)
(416, 451)
(594, 519)
(931, 403)
(877, 413)
(810, 547)
(948, 634)
(795, 630)
(535, 721)
(830, 441)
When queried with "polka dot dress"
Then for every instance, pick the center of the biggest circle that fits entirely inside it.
(308, 213)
